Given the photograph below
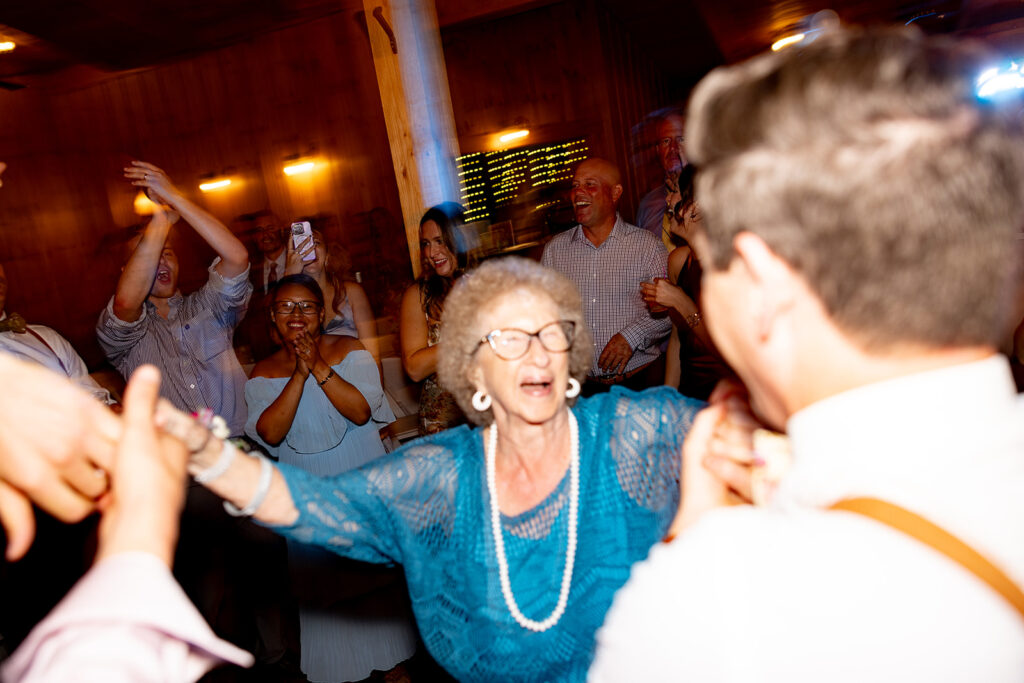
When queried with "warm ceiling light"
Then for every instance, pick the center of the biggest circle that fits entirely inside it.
(6, 46)
(295, 169)
(144, 206)
(215, 184)
(514, 135)
(787, 41)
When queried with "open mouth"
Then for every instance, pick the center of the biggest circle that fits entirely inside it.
(163, 275)
(536, 387)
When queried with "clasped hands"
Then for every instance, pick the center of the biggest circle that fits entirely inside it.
(71, 455)
(661, 294)
(719, 460)
(307, 353)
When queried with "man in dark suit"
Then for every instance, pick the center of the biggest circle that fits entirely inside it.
(267, 267)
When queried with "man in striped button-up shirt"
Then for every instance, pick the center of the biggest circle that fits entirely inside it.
(148, 320)
(608, 258)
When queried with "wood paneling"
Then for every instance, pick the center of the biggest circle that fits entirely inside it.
(306, 89)
(564, 68)
(563, 71)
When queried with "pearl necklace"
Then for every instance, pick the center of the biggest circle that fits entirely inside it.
(499, 541)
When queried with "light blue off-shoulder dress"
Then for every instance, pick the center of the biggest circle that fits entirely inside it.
(425, 506)
(346, 631)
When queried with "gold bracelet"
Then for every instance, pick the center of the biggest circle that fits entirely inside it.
(326, 377)
(693, 320)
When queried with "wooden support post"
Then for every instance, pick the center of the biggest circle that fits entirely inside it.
(413, 83)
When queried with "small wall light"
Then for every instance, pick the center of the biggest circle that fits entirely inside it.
(508, 137)
(299, 167)
(217, 184)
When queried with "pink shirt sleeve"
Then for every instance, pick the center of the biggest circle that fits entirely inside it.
(126, 620)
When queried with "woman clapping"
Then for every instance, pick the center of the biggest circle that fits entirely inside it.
(317, 404)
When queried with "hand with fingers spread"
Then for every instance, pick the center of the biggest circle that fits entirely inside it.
(147, 479)
(56, 447)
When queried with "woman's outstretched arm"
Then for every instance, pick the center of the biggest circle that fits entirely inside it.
(241, 480)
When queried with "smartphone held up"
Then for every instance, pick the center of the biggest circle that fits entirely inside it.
(302, 235)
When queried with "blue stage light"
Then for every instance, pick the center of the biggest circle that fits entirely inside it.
(1001, 81)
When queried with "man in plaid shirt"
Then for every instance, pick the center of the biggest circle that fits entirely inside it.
(607, 259)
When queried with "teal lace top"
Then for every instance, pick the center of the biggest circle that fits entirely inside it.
(426, 507)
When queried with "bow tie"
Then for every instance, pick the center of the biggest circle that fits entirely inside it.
(13, 323)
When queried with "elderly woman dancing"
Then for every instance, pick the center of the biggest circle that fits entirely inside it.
(514, 535)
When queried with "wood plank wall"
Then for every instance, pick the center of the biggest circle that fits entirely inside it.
(243, 108)
(562, 68)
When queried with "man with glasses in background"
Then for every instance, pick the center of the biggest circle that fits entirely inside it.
(669, 141)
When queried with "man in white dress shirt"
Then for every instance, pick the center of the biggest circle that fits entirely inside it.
(44, 346)
(861, 256)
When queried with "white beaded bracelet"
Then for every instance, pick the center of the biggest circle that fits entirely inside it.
(262, 489)
(227, 456)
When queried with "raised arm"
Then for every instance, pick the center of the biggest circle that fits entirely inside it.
(137, 277)
(233, 254)
(418, 357)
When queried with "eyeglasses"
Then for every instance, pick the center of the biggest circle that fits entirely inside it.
(665, 143)
(511, 343)
(305, 307)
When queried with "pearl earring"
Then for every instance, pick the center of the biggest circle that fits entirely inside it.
(481, 401)
(574, 388)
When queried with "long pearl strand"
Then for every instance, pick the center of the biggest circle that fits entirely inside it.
(499, 541)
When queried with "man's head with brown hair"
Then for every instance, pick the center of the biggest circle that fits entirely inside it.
(867, 164)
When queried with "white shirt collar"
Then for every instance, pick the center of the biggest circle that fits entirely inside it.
(877, 438)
